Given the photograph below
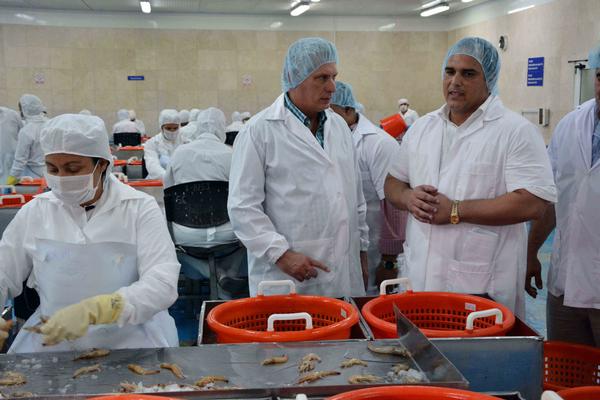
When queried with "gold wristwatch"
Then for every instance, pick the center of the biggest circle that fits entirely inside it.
(454, 218)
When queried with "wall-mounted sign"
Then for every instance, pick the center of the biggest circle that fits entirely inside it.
(135, 77)
(535, 71)
(39, 78)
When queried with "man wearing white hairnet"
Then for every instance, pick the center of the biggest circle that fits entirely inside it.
(409, 115)
(84, 246)
(471, 174)
(376, 150)
(573, 303)
(188, 133)
(122, 115)
(206, 159)
(29, 159)
(138, 122)
(158, 150)
(10, 124)
(184, 118)
(234, 128)
(295, 197)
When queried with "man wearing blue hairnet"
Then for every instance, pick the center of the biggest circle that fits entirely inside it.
(471, 174)
(295, 198)
(573, 304)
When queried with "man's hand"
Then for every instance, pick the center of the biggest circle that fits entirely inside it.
(534, 270)
(299, 266)
(364, 265)
(444, 209)
(422, 203)
(4, 329)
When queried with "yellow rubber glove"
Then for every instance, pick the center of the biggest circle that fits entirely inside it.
(4, 328)
(11, 180)
(72, 322)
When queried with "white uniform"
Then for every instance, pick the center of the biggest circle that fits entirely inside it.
(140, 126)
(494, 152)
(288, 193)
(410, 117)
(376, 150)
(157, 153)
(29, 158)
(575, 264)
(10, 124)
(122, 246)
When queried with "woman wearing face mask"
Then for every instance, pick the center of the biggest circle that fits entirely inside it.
(158, 150)
(84, 246)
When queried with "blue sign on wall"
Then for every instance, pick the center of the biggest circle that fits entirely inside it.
(135, 77)
(535, 71)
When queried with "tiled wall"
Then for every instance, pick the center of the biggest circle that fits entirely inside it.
(88, 68)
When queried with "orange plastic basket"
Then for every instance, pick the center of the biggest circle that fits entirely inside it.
(394, 125)
(146, 183)
(411, 393)
(437, 314)
(581, 393)
(131, 148)
(132, 397)
(282, 318)
(568, 365)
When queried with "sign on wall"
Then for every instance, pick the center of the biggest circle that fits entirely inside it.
(535, 71)
(135, 77)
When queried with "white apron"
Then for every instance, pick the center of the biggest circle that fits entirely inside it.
(66, 273)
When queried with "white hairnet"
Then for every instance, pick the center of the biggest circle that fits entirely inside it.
(343, 95)
(82, 135)
(236, 116)
(484, 53)
(122, 114)
(31, 105)
(245, 115)
(303, 58)
(132, 115)
(594, 58)
(402, 101)
(194, 114)
(212, 120)
(168, 117)
(85, 111)
(184, 116)
(125, 126)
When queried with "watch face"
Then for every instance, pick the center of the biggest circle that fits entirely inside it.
(454, 219)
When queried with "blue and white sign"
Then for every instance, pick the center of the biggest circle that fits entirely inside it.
(135, 77)
(535, 71)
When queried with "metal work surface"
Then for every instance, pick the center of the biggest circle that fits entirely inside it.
(50, 374)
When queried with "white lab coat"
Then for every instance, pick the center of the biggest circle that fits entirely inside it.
(155, 148)
(495, 152)
(376, 150)
(140, 126)
(575, 263)
(410, 117)
(10, 124)
(29, 157)
(127, 221)
(188, 132)
(288, 193)
(235, 126)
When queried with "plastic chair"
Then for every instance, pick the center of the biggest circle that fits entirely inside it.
(127, 138)
(201, 205)
(230, 137)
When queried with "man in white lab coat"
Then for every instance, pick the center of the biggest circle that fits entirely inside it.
(409, 115)
(295, 198)
(573, 305)
(470, 174)
(158, 150)
(10, 124)
(376, 150)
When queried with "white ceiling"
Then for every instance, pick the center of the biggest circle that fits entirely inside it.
(370, 8)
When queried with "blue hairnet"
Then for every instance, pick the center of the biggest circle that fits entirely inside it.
(594, 58)
(303, 58)
(343, 96)
(486, 55)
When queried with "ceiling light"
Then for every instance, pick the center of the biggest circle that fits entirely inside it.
(516, 10)
(431, 4)
(387, 27)
(315, 1)
(440, 8)
(146, 7)
(25, 17)
(300, 8)
(276, 24)
(466, 1)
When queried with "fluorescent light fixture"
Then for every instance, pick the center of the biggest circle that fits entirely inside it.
(440, 8)
(146, 7)
(276, 24)
(387, 27)
(300, 8)
(516, 10)
(25, 17)
(315, 1)
(431, 4)
(466, 1)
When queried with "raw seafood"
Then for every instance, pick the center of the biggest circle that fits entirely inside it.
(307, 363)
(275, 360)
(314, 376)
(205, 380)
(20, 395)
(397, 368)
(86, 370)
(93, 353)
(11, 378)
(138, 369)
(352, 362)
(394, 350)
(127, 387)
(354, 379)
(174, 368)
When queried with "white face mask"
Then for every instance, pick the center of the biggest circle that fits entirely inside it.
(170, 135)
(73, 190)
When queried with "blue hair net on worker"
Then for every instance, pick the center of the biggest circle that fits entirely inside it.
(594, 58)
(303, 58)
(343, 96)
(486, 55)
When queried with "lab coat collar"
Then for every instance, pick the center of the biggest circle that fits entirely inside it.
(491, 109)
(584, 124)
(364, 127)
